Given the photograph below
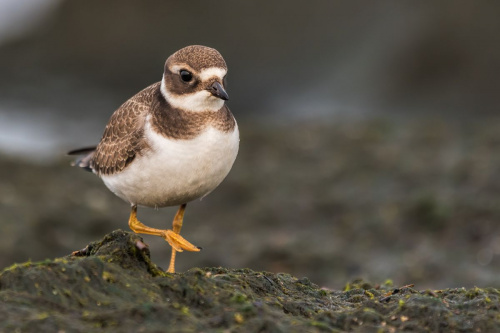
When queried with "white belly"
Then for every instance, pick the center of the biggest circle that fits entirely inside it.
(174, 172)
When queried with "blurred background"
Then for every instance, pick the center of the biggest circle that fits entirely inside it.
(370, 133)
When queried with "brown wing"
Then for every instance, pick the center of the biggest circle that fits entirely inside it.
(123, 138)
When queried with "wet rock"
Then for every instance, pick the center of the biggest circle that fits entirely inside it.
(112, 285)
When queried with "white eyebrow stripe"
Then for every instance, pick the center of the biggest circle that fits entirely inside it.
(207, 73)
(177, 68)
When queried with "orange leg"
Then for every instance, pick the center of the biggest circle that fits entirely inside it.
(176, 227)
(176, 241)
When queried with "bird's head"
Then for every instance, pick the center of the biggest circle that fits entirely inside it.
(194, 79)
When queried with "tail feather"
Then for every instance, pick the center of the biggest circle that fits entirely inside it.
(84, 157)
(82, 151)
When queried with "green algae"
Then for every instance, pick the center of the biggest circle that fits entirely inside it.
(112, 285)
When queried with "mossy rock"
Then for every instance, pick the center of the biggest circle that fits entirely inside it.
(112, 286)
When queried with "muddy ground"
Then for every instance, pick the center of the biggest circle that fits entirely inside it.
(416, 202)
(112, 286)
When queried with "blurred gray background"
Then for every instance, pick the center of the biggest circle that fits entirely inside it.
(370, 133)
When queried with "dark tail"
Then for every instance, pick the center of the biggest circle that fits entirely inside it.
(84, 157)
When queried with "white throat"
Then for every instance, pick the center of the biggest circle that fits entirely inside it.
(196, 102)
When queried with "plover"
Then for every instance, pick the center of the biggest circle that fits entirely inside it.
(173, 142)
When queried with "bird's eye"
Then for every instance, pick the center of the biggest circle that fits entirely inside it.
(186, 76)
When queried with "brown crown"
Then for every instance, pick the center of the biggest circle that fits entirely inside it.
(197, 57)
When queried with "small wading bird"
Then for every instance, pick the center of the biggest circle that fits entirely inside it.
(171, 143)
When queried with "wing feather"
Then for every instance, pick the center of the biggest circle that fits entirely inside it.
(123, 137)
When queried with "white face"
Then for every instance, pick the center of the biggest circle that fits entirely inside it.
(202, 100)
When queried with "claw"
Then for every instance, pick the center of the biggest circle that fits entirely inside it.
(178, 242)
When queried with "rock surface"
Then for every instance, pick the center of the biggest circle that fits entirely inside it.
(112, 285)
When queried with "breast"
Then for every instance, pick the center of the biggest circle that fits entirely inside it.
(176, 171)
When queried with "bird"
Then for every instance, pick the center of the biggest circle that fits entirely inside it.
(173, 142)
